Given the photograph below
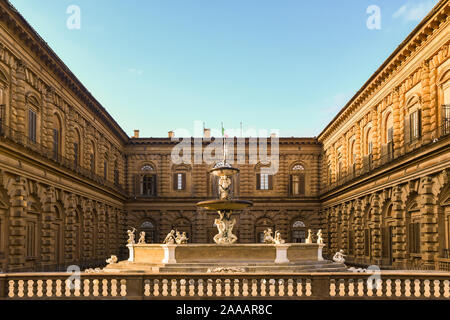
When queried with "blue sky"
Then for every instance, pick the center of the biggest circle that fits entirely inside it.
(159, 65)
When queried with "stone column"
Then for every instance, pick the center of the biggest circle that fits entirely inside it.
(428, 223)
(70, 236)
(87, 253)
(426, 103)
(48, 234)
(376, 229)
(359, 233)
(399, 232)
(17, 232)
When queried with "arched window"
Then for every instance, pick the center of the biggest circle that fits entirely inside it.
(413, 228)
(413, 120)
(149, 228)
(261, 225)
(298, 232)
(297, 180)
(146, 181)
(180, 175)
(389, 128)
(369, 141)
(56, 133)
(3, 99)
(386, 235)
(76, 148)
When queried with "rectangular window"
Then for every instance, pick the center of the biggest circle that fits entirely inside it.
(414, 237)
(351, 241)
(414, 121)
(75, 153)
(116, 177)
(55, 144)
(31, 233)
(264, 181)
(370, 148)
(367, 242)
(179, 181)
(32, 125)
(390, 134)
(105, 170)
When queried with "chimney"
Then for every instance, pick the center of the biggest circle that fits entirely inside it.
(136, 134)
(206, 133)
(171, 134)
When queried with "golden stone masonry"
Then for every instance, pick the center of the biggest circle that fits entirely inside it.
(375, 180)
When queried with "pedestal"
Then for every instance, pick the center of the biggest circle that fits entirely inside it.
(319, 252)
(281, 253)
(131, 250)
(169, 253)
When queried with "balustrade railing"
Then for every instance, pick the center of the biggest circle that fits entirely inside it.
(386, 285)
(36, 147)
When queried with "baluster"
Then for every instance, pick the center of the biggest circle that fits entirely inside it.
(165, 291)
(298, 288)
(49, 288)
(290, 287)
(407, 288)
(446, 291)
(436, 288)
(114, 287)
(156, 288)
(77, 289)
(281, 287)
(426, 288)
(263, 286)
(86, 287)
(30, 288)
(201, 288)
(123, 287)
(191, 287)
(40, 288)
(417, 288)
(237, 288)
(218, 288)
(387, 290)
(105, 287)
(308, 287)
(95, 292)
(58, 288)
(379, 287)
(183, 287)
(12, 292)
(245, 287)
(351, 288)
(227, 289)
(341, 287)
(360, 287)
(209, 287)
(332, 287)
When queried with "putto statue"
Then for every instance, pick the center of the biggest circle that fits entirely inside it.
(309, 239)
(277, 239)
(170, 238)
(141, 237)
(181, 238)
(268, 238)
(319, 237)
(131, 236)
(339, 256)
(112, 260)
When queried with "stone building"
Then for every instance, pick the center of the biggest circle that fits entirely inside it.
(375, 179)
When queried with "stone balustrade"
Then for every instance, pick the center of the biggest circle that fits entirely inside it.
(390, 285)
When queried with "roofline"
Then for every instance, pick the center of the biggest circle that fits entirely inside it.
(402, 45)
(121, 134)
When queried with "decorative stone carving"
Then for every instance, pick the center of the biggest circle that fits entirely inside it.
(141, 237)
(170, 238)
(339, 256)
(112, 260)
(225, 227)
(319, 237)
(131, 236)
(181, 238)
(309, 239)
(226, 269)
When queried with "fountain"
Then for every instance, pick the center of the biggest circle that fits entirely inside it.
(226, 255)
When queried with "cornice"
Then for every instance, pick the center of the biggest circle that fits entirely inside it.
(25, 33)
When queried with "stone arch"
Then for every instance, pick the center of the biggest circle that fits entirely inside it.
(298, 229)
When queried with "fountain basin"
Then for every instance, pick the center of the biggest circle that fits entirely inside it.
(225, 204)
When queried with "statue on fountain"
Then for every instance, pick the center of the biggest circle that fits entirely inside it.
(225, 188)
(170, 238)
(319, 237)
(268, 238)
(181, 238)
(277, 239)
(339, 256)
(225, 227)
(309, 239)
(131, 236)
(141, 237)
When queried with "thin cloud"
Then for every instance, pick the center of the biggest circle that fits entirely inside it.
(136, 72)
(414, 11)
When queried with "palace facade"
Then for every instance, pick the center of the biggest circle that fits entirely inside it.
(375, 180)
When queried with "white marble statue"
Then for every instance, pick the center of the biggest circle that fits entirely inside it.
(141, 238)
(112, 260)
(339, 256)
(170, 238)
(225, 227)
(309, 239)
(268, 238)
(181, 238)
(131, 236)
(319, 237)
(224, 187)
(277, 239)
